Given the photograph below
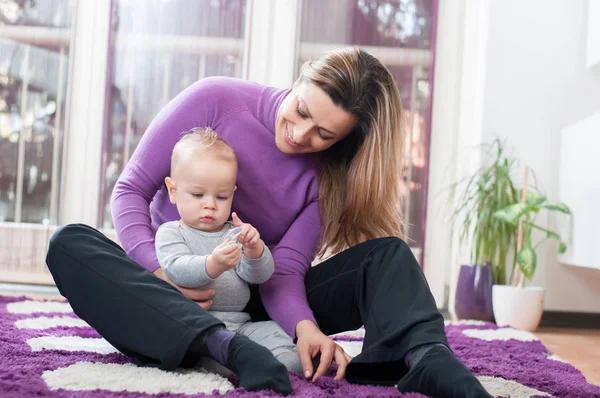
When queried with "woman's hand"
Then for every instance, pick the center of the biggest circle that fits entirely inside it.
(201, 297)
(311, 342)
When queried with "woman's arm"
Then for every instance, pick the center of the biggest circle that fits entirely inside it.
(197, 106)
(284, 295)
(150, 163)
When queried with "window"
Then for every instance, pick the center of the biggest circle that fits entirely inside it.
(34, 52)
(73, 112)
(162, 47)
(34, 61)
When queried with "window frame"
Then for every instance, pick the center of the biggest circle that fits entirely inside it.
(271, 49)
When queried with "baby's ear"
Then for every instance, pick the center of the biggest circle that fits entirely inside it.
(171, 189)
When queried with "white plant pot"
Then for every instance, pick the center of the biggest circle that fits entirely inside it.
(518, 307)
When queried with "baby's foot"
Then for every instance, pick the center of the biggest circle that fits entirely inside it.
(256, 367)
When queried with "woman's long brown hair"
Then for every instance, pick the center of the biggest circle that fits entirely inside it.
(359, 194)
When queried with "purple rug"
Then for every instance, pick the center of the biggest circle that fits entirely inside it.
(46, 351)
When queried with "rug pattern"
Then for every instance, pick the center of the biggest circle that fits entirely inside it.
(46, 351)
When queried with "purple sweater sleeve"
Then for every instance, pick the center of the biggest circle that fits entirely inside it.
(145, 172)
(284, 295)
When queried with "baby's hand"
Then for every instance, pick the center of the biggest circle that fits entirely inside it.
(225, 257)
(249, 237)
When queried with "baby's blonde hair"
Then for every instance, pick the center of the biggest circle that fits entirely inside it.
(201, 140)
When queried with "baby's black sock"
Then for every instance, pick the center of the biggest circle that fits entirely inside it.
(256, 367)
(254, 364)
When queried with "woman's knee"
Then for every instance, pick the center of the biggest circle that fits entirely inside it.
(61, 245)
(395, 242)
(377, 244)
(68, 235)
(389, 252)
(65, 240)
(390, 244)
(64, 234)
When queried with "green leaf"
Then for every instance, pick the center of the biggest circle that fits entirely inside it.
(534, 198)
(563, 208)
(549, 234)
(512, 213)
(527, 260)
(562, 247)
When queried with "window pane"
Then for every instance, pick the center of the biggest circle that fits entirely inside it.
(399, 33)
(47, 13)
(34, 51)
(161, 47)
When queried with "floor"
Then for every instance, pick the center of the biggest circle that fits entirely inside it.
(579, 347)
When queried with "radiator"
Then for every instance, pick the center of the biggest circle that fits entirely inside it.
(23, 249)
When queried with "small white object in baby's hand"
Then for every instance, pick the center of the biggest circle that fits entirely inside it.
(233, 234)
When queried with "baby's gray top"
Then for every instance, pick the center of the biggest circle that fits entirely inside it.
(182, 253)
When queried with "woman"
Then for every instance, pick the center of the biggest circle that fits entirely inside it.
(319, 167)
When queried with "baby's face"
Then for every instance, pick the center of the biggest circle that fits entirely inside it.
(203, 191)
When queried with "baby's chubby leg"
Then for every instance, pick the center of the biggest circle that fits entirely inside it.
(255, 364)
(289, 357)
(270, 335)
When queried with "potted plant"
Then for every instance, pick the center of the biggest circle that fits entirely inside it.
(515, 304)
(476, 200)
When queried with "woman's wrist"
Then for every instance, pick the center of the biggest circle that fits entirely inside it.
(306, 326)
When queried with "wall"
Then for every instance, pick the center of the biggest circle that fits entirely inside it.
(536, 85)
(456, 125)
(593, 35)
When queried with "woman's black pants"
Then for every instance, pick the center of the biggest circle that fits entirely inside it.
(378, 284)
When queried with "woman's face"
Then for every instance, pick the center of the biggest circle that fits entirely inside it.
(308, 121)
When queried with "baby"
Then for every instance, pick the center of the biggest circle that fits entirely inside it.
(198, 252)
